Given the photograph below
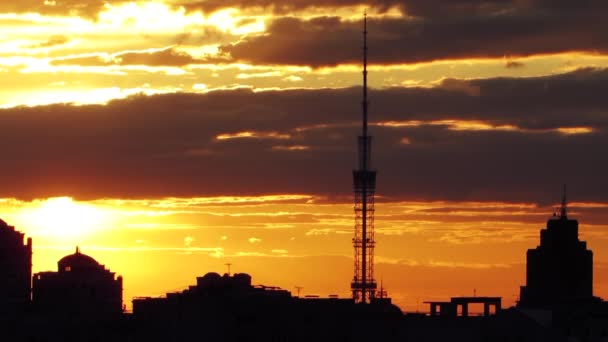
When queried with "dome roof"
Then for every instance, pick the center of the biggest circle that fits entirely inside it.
(77, 261)
(208, 280)
(2, 223)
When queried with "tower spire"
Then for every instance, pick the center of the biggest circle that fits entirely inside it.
(563, 211)
(365, 102)
(363, 285)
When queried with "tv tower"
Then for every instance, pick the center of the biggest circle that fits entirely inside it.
(363, 285)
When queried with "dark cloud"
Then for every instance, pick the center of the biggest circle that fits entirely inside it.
(167, 145)
(514, 65)
(166, 57)
(439, 30)
(466, 87)
(86, 8)
(89, 60)
(207, 34)
(430, 29)
(412, 8)
(52, 41)
(282, 6)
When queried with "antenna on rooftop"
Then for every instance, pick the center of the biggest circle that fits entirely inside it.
(228, 265)
(563, 211)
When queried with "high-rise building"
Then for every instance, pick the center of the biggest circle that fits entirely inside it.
(15, 269)
(81, 286)
(560, 270)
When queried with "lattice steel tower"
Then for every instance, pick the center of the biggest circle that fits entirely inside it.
(363, 285)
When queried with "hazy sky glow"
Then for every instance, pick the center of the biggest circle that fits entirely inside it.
(167, 138)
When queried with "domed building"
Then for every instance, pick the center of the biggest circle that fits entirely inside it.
(81, 286)
(15, 269)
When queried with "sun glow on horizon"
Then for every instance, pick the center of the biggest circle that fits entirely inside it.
(62, 218)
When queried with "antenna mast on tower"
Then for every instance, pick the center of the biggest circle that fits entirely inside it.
(364, 285)
(563, 210)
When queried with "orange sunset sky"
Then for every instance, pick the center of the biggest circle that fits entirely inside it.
(169, 138)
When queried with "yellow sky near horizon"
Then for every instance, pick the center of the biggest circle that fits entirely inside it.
(288, 240)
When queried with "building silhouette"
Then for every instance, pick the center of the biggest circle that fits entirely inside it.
(450, 309)
(81, 286)
(560, 270)
(230, 308)
(220, 308)
(212, 293)
(15, 269)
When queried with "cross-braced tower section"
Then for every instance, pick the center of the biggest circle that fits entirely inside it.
(363, 285)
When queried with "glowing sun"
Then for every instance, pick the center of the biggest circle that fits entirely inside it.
(62, 217)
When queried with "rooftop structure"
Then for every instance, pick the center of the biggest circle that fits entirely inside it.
(450, 309)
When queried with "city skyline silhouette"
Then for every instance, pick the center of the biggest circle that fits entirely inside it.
(219, 143)
(84, 300)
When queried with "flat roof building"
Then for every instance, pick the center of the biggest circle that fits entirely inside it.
(15, 269)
